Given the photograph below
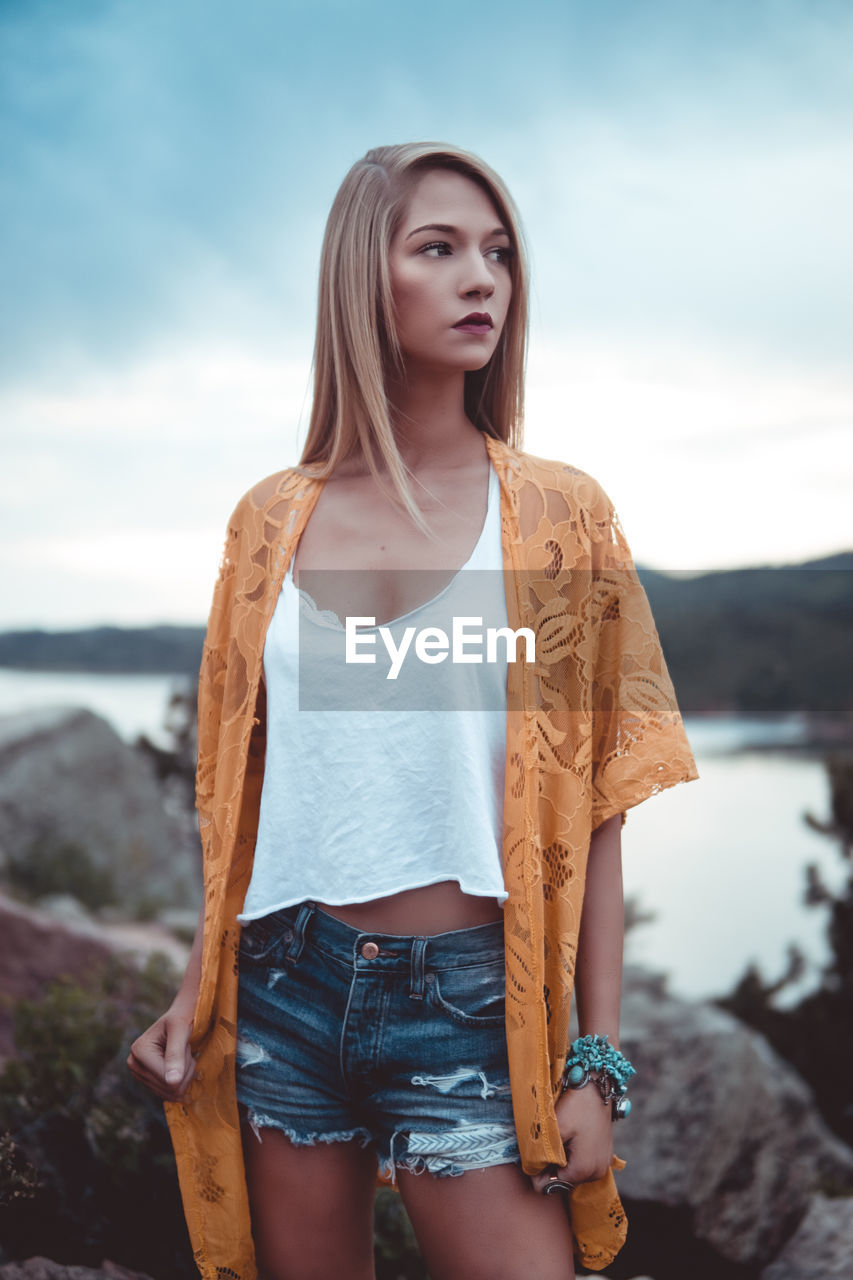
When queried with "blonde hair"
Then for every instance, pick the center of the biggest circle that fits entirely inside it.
(356, 346)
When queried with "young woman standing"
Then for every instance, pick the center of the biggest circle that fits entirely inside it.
(401, 899)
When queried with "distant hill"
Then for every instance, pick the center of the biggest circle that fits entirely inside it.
(776, 638)
(763, 639)
(115, 650)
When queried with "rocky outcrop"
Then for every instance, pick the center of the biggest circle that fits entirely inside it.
(45, 1269)
(728, 1160)
(821, 1247)
(36, 948)
(724, 1136)
(726, 1153)
(33, 951)
(82, 812)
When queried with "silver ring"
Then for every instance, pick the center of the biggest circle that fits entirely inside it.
(555, 1184)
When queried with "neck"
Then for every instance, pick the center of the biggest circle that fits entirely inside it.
(430, 425)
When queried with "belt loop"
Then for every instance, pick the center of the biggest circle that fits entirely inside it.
(297, 942)
(416, 985)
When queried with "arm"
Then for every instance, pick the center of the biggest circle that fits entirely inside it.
(161, 1058)
(598, 974)
(586, 1126)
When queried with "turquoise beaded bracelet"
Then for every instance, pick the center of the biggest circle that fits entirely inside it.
(591, 1054)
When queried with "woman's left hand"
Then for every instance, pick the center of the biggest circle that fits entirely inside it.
(586, 1127)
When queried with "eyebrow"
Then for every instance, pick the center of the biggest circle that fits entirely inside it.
(451, 231)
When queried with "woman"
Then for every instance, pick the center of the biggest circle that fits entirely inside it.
(391, 936)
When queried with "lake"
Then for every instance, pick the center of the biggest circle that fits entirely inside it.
(720, 861)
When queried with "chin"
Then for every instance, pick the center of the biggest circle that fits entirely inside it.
(473, 366)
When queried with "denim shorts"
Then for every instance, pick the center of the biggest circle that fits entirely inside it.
(393, 1040)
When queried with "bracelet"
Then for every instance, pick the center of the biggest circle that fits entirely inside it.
(592, 1058)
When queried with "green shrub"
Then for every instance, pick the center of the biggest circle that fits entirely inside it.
(87, 1166)
(18, 1179)
(50, 865)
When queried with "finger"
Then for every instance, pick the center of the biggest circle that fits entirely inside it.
(147, 1063)
(152, 1079)
(187, 1078)
(177, 1058)
(156, 1085)
(148, 1048)
(142, 1068)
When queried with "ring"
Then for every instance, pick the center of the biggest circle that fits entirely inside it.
(555, 1184)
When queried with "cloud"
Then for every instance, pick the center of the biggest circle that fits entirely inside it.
(684, 173)
(169, 167)
(172, 442)
(712, 460)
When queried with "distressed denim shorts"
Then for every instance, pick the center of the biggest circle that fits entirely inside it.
(394, 1040)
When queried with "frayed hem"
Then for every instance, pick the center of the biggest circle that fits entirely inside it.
(417, 1165)
(257, 1122)
(450, 1154)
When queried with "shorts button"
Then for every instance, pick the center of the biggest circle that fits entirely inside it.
(370, 951)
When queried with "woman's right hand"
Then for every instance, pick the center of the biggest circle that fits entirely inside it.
(161, 1057)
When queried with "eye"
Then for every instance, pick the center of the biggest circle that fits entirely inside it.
(501, 255)
(436, 245)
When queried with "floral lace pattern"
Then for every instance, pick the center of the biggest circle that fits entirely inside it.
(592, 729)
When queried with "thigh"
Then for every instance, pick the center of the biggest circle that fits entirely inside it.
(488, 1223)
(312, 1207)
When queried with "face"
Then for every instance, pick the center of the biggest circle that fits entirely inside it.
(450, 274)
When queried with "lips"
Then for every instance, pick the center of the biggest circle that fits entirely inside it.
(476, 322)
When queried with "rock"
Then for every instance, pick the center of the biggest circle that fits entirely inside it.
(65, 908)
(721, 1127)
(36, 948)
(822, 1246)
(179, 920)
(46, 1269)
(81, 812)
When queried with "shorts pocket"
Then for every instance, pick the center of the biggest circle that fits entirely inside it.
(260, 938)
(473, 995)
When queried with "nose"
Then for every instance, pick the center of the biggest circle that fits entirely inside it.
(477, 280)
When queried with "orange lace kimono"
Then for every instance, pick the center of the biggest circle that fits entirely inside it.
(592, 729)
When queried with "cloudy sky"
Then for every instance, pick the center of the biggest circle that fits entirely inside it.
(685, 175)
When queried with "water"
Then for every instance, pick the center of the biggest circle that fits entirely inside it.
(132, 704)
(720, 861)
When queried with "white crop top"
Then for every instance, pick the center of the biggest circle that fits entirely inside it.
(359, 802)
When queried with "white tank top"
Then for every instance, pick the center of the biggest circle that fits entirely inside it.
(361, 803)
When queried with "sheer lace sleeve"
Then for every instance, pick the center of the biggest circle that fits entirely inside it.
(639, 744)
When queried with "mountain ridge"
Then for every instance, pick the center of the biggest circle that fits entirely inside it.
(754, 639)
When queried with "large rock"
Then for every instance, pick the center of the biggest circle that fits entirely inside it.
(46, 1269)
(71, 788)
(36, 948)
(821, 1247)
(724, 1132)
(33, 951)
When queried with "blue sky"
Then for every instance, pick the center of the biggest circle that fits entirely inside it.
(684, 173)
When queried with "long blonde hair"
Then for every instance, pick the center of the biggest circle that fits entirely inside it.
(356, 345)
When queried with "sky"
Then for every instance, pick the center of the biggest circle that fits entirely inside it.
(684, 173)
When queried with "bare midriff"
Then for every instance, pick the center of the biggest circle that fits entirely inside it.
(430, 909)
